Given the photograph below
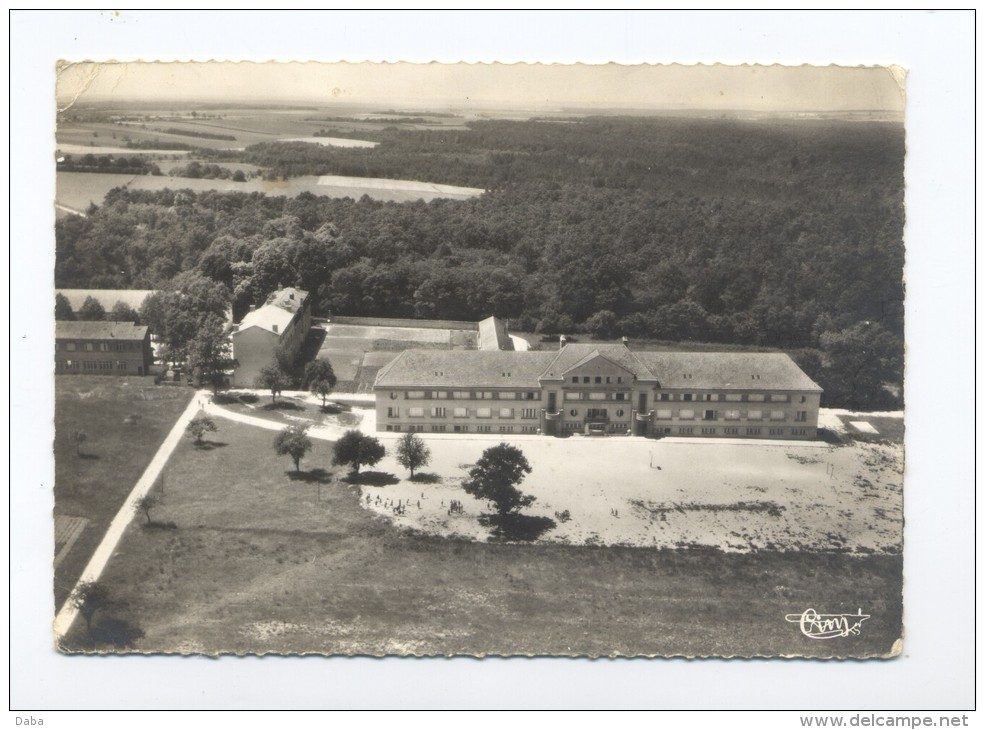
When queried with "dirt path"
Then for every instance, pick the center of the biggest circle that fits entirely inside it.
(68, 613)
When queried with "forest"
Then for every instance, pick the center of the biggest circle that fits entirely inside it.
(781, 235)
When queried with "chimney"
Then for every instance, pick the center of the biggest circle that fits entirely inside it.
(625, 341)
(253, 307)
(275, 329)
(562, 341)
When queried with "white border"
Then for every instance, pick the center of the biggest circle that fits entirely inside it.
(936, 669)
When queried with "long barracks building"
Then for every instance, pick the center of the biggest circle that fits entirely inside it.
(598, 389)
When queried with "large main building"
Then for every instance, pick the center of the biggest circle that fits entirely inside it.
(598, 389)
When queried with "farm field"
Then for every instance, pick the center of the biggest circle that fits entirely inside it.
(125, 421)
(261, 560)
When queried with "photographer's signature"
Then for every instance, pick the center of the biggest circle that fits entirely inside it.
(816, 625)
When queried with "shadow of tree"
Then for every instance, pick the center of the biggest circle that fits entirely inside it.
(372, 478)
(333, 409)
(224, 400)
(514, 527)
(282, 405)
(117, 632)
(248, 398)
(426, 477)
(209, 445)
(318, 475)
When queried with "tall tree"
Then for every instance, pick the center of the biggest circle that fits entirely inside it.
(91, 310)
(201, 425)
(88, 598)
(123, 312)
(357, 449)
(210, 353)
(272, 378)
(63, 309)
(412, 452)
(496, 475)
(293, 441)
(319, 378)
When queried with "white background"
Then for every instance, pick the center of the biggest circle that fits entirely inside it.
(936, 670)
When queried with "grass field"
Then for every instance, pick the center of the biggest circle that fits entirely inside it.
(125, 420)
(263, 561)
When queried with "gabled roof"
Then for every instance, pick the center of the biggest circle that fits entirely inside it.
(99, 331)
(464, 368)
(575, 355)
(278, 311)
(727, 370)
(493, 335)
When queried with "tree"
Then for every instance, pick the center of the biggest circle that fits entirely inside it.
(859, 360)
(80, 437)
(91, 310)
(412, 452)
(319, 378)
(602, 324)
(63, 309)
(146, 503)
(199, 426)
(293, 441)
(496, 475)
(356, 449)
(273, 379)
(210, 353)
(88, 598)
(123, 312)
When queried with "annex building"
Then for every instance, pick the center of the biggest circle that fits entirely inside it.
(280, 324)
(597, 389)
(102, 348)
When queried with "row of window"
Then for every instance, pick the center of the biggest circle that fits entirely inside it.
(734, 431)
(598, 379)
(467, 395)
(461, 428)
(730, 397)
(103, 365)
(441, 412)
(98, 346)
(609, 428)
(687, 414)
(568, 395)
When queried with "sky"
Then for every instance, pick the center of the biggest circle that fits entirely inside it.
(758, 88)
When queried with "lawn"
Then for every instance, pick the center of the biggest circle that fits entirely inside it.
(262, 561)
(125, 421)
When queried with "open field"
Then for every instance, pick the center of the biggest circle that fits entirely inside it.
(259, 561)
(125, 420)
(77, 189)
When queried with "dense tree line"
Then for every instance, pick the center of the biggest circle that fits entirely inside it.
(780, 235)
(135, 165)
(196, 169)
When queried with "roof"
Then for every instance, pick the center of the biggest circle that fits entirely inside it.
(493, 335)
(695, 370)
(107, 297)
(278, 311)
(575, 355)
(99, 331)
(465, 368)
(727, 370)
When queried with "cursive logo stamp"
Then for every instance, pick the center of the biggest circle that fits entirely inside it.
(816, 625)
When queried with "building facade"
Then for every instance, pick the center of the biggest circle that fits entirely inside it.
(598, 390)
(102, 348)
(281, 323)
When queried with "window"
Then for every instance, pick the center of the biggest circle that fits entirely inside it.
(574, 379)
(393, 396)
(460, 412)
(528, 429)
(801, 416)
(529, 413)
(779, 398)
(530, 395)
(389, 427)
(104, 347)
(484, 395)
(620, 413)
(798, 431)
(685, 430)
(596, 396)
(776, 432)
(439, 394)
(663, 413)
(482, 429)
(506, 413)
(753, 431)
(621, 396)
(686, 397)
(731, 431)
(573, 411)
(777, 415)
(89, 347)
(461, 429)
(461, 395)
(121, 365)
(709, 416)
(573, 396)
(733, 397)
(686, 414)
(483, 412)
(415, 412)
(506, 429)
(438, 427)
(70, 346)
(708, 430)
(665, 396)
(608, 379)
(731, 415)
(755, 415)
(437, 412)
(756, 397)
(508, 395)
(598, 378)
(392, 412)
(415, 394)
(619, 379)
(598, 413)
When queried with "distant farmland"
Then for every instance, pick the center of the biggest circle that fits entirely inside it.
(76, 190)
